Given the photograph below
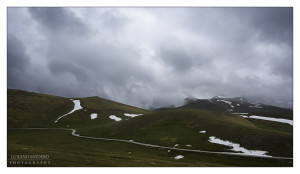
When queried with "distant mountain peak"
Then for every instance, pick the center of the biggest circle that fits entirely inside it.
(220, 96)
(189, 100)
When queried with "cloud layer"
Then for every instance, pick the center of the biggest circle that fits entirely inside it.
(152, 57)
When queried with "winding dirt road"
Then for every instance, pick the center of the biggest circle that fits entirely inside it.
(73, 133)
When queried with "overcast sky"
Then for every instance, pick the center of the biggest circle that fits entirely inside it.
(152, 57)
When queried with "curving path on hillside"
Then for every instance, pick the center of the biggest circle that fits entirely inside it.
(73, 133)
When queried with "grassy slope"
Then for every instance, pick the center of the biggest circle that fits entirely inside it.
(104, 108)
(27, 109)
(182, 127)
(66, 150)
(167, 127)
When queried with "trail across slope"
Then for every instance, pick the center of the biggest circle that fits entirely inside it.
(150, 145)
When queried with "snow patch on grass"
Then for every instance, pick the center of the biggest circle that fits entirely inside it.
(236, 147)
(94, 115)
(77, 106)
(245, 116)
(178, 157)
(132, 115)
(281, 120)
(113, 117)
(228, 102)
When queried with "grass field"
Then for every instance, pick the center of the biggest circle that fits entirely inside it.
(164, 127)
(66, 150)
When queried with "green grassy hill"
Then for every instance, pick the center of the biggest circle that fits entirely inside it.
(28, 109)
(165, 127)
(182, 127)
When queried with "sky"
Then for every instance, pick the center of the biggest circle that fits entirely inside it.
(152, 57)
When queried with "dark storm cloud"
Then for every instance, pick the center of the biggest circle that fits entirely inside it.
(276, 24)
(58, 20)
(16, 52)
(177, 58)
(18, 62)
(61, 66)
(151, 57)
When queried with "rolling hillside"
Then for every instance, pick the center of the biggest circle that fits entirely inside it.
(190, 126)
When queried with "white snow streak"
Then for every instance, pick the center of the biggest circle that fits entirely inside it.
(132, 115)
(178, 157)
(113, 117)
(245, 116)
(94, 115)
(281, 120)
(236, 147)
(76, 107)
(228, 102)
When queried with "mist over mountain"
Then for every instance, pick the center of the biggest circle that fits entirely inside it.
(249, 99)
